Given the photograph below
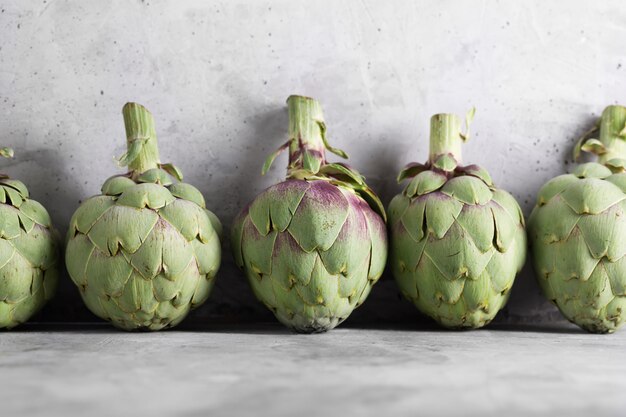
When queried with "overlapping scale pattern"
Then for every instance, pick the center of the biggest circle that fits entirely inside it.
(29, 255)
(144, 253)
(311, 250)
(457, 243)
(578, 235)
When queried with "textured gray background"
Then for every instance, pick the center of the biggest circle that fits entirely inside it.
(216, 76)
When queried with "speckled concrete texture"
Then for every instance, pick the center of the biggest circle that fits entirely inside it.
(216, 76)
(239, 371)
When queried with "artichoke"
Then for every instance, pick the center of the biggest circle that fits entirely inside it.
(578, 231)
(456, 241)
(145, 251)
(29, 253)
(312, 246)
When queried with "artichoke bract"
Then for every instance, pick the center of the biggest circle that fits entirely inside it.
(29, 253)
(312, 246)
(145, 251)
(456, 241)
(578, 231)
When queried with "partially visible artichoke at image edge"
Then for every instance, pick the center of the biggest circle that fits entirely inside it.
(456, 240)
(145, 251)
(29, 253)
(578, 231)
(312, 246)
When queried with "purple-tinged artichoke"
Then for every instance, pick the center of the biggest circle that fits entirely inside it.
(312, 246)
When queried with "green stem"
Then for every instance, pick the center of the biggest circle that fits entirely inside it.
(139, 125)
(612, 123)
(306, 133)
(445, 136)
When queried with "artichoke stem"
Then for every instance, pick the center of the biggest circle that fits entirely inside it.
(139, 125)
(306, 131)
(445, 136)
(612, 126)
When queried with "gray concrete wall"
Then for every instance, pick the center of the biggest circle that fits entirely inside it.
(216, 76)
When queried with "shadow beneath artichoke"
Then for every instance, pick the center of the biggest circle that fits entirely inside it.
(420, 325)
(266, 328)
(556, 327)
(104, 327)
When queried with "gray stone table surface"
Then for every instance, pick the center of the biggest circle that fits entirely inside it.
(266, 370)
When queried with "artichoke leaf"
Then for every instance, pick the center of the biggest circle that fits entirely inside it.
(441, 212)
(397, 207)
(143, 195)
(90, 212)
(592, 196)
(378, 253)
(107, 275)
(16, 280)
(16, 185)
(581, 141)
(123, 226)
(14, 196)
(351, 246)
(187, 192)
(270, 159)
(319, 217)
(592, 170)
(446, 163)
(155, 176)
(336, 151)
(36, 212)
(342, 172)
(425, 182)
(553, 188)
(284, 199)
(478, 224)
(616, 165)
(413, 219)
(38, 247)
(478, 172)
(208, 256)
(173, 170)
(290, 265)
(410, 170)
(116, 185)
(134, 148)
(9, 222)
(594, 146)
(77, 255)
(468, 189)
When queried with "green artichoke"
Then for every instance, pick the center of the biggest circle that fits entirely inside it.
(29, 253)
(578, 231)
(312, 246)
(145, 251)
(456, 241)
